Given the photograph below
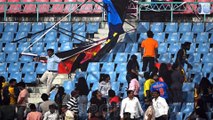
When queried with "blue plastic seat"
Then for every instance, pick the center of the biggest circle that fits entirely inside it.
(93, 67)
(188, 107)
(157, 27)
(5, 75)
(48, 25)
(162, 48)
(173, 37)
(115, 87)
(165, 58)
(95, 86)
(196, 68)
(69, 86)
(25, 58)
(79, 27)
(173, 48)
(24, 27)
(171, 27)
(16, 75)
(50, 36)
(203, 48)
(23, 46)
(79, 37)
(188, 87)
(92, 27)
(28, 67)
(176, 116)
(142, 27)
(66, 46)
(21, 36)
(112, 75)
(192, 48)
(209, 27)
(107, 58)
(198, 27)
(131, 48)
(187, 37)
(7, 36)
(65, 26)
(194, 58)
(3, 67)
(2, 57)
(120, 57)
(14, 67)
(80, 74)
(12, 57)
(1, 46)
(41, 68)
(122, 77)
(175, 107)
(121, 67)
(11, 27)
(30, 77)
(1, 27)
(197, 78)
(202, 37)
(207, 68)
(93, 77)
(52, 45)
(211, 38)
(38, 47)
(119, 47)
(185, 27)
(108, 67)
(37, 26)
(142, 37)
(160, 37)
(10, 47)
(36, 36)
(52, 95)
(207, 58)
(65, 37)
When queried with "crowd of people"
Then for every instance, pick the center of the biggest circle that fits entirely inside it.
(162, 86)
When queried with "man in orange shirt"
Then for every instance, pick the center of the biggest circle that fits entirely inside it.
(149, 51)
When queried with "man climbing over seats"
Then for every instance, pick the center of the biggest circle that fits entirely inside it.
(149, 51)
(52, 68)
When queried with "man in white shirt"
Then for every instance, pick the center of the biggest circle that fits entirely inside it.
(160, 106)
(52, 68)
(52, 114)
(131, 105)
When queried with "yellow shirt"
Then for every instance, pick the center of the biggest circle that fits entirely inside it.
(147, 85)
(12, 96)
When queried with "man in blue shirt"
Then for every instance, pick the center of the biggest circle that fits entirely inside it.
(52, 69)
(161, 87)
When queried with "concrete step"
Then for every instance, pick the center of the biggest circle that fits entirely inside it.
(34, 100)
(35, 95)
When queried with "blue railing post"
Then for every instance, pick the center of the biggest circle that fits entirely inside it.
(37, 12)
(5, 12)
(171, 12)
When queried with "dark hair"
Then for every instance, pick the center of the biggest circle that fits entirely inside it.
(129, 91)
(21, 84)
(103, 77)
(163, 69)
(150, 34)
(111, 93)
(74, 93)
(134, 57)
(2, 79)
(32, 106)
(44, 97)
(60, 89)
(82, 86)
(51, 50)
(186, 43)
(12, 80)
(174, 66)
(52, 106)
(94, 93)
(157, 92)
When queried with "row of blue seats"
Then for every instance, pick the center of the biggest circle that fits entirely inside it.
(52, 36)
(174, 27)
(90, 27)
(175, 37)
(184, 116)
(38, 47)
(29, 77)
(39, 68)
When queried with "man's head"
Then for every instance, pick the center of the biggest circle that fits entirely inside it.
(187, 45)
(52, 108)
(130, 94)
(21, 85)
(12, 82)
(150, 34)
(146, 75)
(44, 97)
(50, 52)
(75, 93)
(175, 66)
(111, 93)
(32, 107)
(155, 94)
(133, 57)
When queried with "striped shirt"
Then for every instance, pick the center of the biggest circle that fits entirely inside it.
(72, 105)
